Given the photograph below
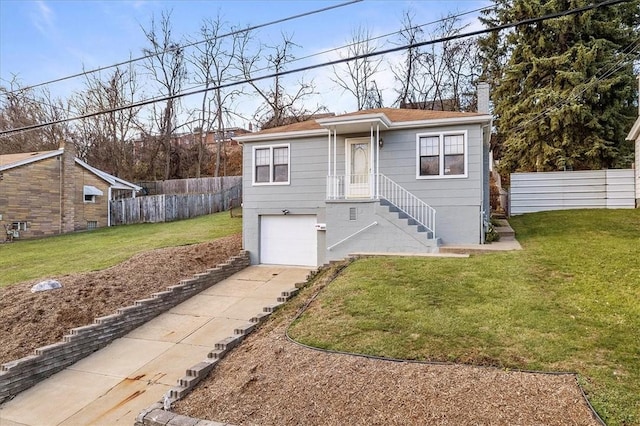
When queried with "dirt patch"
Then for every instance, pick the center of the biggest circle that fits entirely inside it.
(31, 320)
(270, 380)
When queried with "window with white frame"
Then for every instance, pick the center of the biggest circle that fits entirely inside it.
(271, 164)
(442, 155)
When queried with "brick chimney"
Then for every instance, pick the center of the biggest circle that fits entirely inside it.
(68, 188)
(483, 97)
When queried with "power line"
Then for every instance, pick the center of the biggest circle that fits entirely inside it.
(628, 50)
(326, 64)
(335, 49)
(178, 47)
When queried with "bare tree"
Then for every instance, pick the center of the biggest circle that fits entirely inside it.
(22, 107)
(357, 76)
(408, 72)
(282, 102)
(106, 140)
(166, 65)
(213, 62)
(441, 76)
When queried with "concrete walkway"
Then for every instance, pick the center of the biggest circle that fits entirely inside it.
(114, 384)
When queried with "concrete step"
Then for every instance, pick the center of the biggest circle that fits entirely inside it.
(506, 233)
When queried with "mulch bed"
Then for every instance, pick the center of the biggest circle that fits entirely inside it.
(31, 320)
(269, 380)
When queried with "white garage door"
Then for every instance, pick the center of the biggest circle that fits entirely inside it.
(288, 240)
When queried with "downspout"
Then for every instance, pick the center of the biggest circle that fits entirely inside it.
(109, 206)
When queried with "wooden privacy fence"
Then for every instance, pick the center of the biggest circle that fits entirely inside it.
(535, 192)
(167, 208)
(206, 185)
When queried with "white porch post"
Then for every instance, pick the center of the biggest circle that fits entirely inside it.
(377, 161)
(335, 163)
(372, 164)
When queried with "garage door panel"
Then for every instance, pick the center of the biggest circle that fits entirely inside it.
(288, 240)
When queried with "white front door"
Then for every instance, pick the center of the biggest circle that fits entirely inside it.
(358, 170)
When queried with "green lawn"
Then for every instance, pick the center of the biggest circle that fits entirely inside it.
(569, 302)
(104, 247)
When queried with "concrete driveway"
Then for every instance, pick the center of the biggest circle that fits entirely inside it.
(114, 384)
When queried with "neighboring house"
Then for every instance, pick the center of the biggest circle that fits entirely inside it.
(634, 135)
(52, 192)
(375, 181)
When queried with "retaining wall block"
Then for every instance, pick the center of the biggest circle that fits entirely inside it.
(201, 369)
(260, 317)
(272, 308)
(228, 343)
(290, 293)
(21, 374)
(245, 329)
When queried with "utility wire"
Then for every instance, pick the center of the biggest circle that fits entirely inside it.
(182, 46)
(329, 63)
(628, 50)
(240, 76)
(335, 49)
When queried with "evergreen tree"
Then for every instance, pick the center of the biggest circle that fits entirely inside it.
(563, 89)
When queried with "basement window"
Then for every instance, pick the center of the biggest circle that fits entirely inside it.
(19, 226)
(90, 193)
(353, 213)
(92, 224)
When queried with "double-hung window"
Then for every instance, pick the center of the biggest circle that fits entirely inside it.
(271, 165)
(442, 155)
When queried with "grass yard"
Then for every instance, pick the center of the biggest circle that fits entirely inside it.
(104, 247)
(569, 302)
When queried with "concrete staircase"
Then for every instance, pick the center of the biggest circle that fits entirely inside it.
(505, 230)
(409, 225)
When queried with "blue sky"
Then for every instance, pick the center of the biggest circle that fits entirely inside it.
(48, 39)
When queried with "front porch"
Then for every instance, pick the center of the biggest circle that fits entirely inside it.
(354, 146)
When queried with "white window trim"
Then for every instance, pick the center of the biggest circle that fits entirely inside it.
(91, 201)
(441, 136)
(271, 148)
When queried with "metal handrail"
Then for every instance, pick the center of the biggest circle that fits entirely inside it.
(352, 235)
(411, 205)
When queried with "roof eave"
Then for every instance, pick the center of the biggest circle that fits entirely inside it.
(485, 118)
(113, 181)
(30, 160)
(376, 118)
(279, 135)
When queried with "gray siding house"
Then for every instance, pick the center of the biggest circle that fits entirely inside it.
(376, 181)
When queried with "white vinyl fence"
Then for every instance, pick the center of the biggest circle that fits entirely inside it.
(535, 192)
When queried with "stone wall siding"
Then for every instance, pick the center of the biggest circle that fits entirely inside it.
(32, 194)
(85, 211)
(21, 374)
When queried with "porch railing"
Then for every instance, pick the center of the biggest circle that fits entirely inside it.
(350, 186)
(372, 186)
(411, 205)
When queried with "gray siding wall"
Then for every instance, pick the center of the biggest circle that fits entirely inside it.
(305, 193)
(458, 201)
(459, 225)
(388, 235)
